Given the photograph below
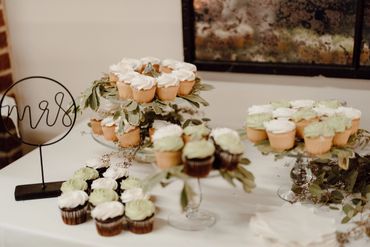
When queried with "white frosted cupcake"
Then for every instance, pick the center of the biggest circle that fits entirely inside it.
(124, 84)
(168, 151)
(104, 183)
(281, 134)
(324, 111)
(133, 194)
(283, 113)
(169, 130)
(196, 132)
(259, 109)
(254, 126)
(143, 88)
(353, 114)
(167, 87)
(187, 81)
(135, 64)
(108, 218)
(98, 164)
(302, 118)
(216, 132)
(155, 62)
(128, 135)
(73, 207)
(116, 69)
(167, 65)
(157, 124)
(117, 173)
(302, 103)
(186, 66)
(109, 126)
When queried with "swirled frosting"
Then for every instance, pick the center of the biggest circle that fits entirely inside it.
(197, 131)
(99, 196)
(198, 149)
(304, 114)
(152, 60)
(339, 122)
(157, 124)
(167, 80)
(115, 172)
(139, 209)
(216, 132)
(131, 182)
(317, 129)
(328, 103)
(107, 210)
(283, 113)
(73, 184)
(302, 103)
(168, 144)
(133, 194)
(169, 130)
(170, 63)
(184, 75)
(72, 199)
(257, 109)
(186, 66)
(324, 111)
(127, 77)
(349, 112)
(86, 173)
(229, 143)
(279, 126)
(143, 82)
(119, 68)
(109, 121)
(256, 121)
(104, 183)
(96, 163)
(135, 64)
(280, 104)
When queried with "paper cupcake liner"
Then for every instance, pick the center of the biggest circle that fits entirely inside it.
(166, 160)
(198, 167)
(185, 87)
(141, 227)
(256, 135)
(110, 227)
(74, 216)
(226, 160)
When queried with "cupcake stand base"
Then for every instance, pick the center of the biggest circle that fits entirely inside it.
(192, 220)
(37, 191)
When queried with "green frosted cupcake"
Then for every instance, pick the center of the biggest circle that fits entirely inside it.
(99, 196)
(318, 138)
(74, 184)
(198, 157)
(168, 151)
(130, 183)
(86, 173)
(329, 103)
(229, 150)
(342, 126)
(196, 132)
(140, 216)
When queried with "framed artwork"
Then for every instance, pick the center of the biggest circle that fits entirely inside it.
(301, 37)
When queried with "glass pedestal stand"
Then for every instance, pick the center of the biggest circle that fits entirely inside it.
(194, 218)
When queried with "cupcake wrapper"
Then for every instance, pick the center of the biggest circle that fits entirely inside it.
(74, 216)
(109, 228)
(141, 227)
(226, 160)
(198, 167)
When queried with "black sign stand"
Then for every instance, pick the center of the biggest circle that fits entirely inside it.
(50, 189)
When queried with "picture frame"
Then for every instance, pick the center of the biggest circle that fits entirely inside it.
(192, 16)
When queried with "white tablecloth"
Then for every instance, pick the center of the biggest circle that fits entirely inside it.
(38, 222)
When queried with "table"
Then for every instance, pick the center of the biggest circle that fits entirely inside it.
(38, 222)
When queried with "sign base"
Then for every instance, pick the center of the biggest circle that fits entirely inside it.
(37, 191)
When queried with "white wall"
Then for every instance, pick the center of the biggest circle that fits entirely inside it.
(74, 41)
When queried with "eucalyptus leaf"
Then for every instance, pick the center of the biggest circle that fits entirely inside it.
(132, 106)
(184, 201)
(345, 220)
(134, 118)
(151, 181)
(226, 175)
(244, 161)
(347, 208)
(315, 190)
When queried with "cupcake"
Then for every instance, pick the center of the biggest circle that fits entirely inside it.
(140, 216)
(318, 138)
(187, 81)
(168, 151)
(324, 111)
(169, 130)
(328, 103)
(155, 62)
(342, 126)
(116, 69)
(95, 124)
(128, 135)
(257, 109)
(135, 64)
(98, 164)
(117, 173)
(196, 132)
(130, 183)
(143, 88)
(167, 87)
(302, 118)
(124, 84)
(73, 207)
(353, 114)
(108, 218)
(280, 104)
(283, 113)
(302, 103)
(255, 129)
(99, 196)
(157, 124)
(198, 158)
(281, 134)
(186, 66)
(104, 183)
(87, 174)
(109, 126)
(74, 184)
(133, 194)
(229, 150)
(168, 65)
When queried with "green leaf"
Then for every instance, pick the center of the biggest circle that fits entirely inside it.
(315, 190)
(336, 196)
(350, 181)
(132, 106)
(134, 118)
(244, 161)
(116, 115)
(345, 220)
(247, 174)
(226, 175)
(333, 207)
(184, 201)
(347, 208)
(152, 180)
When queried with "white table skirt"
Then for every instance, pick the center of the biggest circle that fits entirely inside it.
(38, 222)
